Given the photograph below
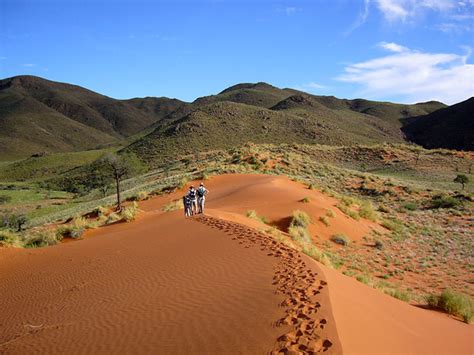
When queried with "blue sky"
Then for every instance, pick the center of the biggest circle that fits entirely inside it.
(394, 50)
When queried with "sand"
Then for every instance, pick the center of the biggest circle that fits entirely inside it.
(370, 322)
(212, 284)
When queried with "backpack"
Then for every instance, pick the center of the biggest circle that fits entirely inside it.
(201, 191)
(192, 194)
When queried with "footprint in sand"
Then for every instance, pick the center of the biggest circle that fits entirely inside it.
(291, 278)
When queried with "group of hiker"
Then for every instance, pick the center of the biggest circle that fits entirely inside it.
(194, 200)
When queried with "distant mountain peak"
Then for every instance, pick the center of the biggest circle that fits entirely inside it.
(242, 86)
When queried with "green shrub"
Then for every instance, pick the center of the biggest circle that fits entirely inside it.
(129, 213)
(299, 234)
(305, 200)
(347, 211)
(399, 294)
(324, 220)
(10, 239)
(63, 231)
(393, 224)
(300, 219)
(330, 213)
(367, 211)
(441, 201)
(461, 179)
(313, 252)
(41, 238)
(347, 201)
(173, 206)
(75, 229)
(340, 239)
(410, 206)
(112, 218)
(13, 221)
(365, 279)
(454, 303)
(253, 214)
(336, 260)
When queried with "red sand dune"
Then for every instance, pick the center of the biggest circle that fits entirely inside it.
(275, 198)
(164, 284)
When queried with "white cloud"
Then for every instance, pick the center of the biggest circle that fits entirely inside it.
(392, 9)
(454, 28)
(403, 10)
(29, 65)
(361, 18)
(392, 47)
(414, 76)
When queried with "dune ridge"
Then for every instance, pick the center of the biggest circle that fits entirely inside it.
(299, 284)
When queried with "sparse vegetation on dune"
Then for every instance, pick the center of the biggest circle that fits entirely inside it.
(300, 219)
(41, 238)
(253, 214)
(367, 211)
(453, 303)
(129, 213)
(324, 220)
(313, 252)
(340, 239)
(299, 234)
(74, 229)
(173, 206)
(10, 239)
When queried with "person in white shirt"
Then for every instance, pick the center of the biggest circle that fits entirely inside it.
(201, 195)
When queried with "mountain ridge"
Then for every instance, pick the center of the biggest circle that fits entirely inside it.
(37, 114)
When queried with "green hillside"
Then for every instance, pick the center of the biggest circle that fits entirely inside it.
(261, 113)
(224, 124)
(41, 115)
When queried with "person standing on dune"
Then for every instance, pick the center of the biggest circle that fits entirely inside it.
(187, 206)
(192, 195)
(201, 193)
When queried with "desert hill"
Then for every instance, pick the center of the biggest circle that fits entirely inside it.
(451, 127)
(42, 115)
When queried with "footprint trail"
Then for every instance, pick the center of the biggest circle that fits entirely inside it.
(293, 279)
